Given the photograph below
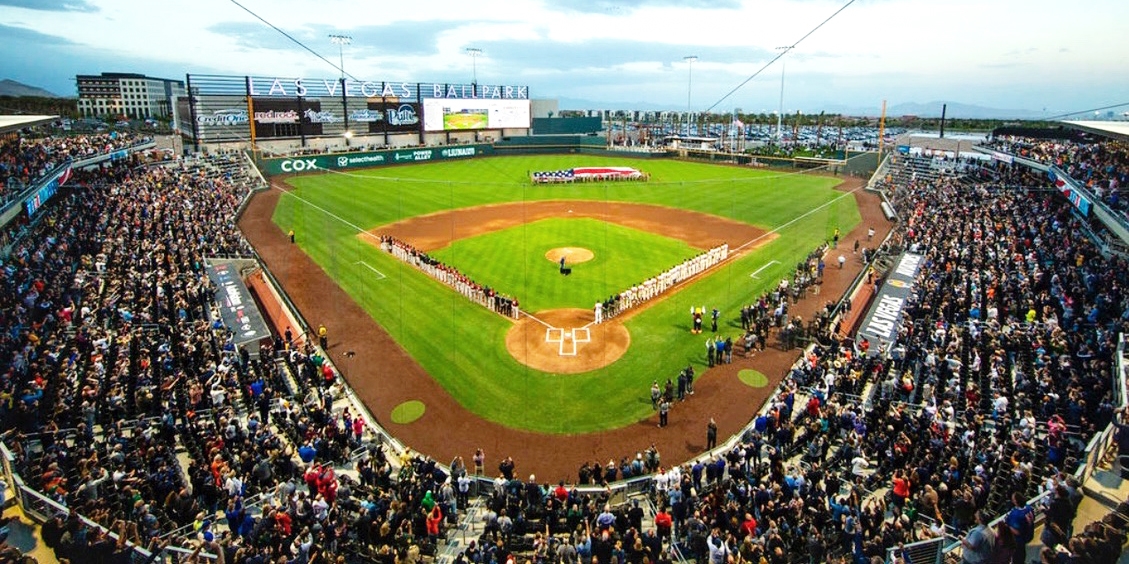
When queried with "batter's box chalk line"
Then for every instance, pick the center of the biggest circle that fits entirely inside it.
(380, 275)
(567, 340)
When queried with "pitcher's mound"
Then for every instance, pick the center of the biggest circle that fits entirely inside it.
(572, 255)
(565, 341)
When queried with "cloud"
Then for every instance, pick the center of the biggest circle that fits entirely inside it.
(605, 53)
(611, 7)
(29, 37)
(407, 38)
(52, 5)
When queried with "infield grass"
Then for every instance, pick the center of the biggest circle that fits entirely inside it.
(621, 258)
(462, 345)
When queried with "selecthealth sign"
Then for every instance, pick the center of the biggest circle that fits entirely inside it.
(379, 158)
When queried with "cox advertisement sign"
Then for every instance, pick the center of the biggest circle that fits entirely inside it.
(316, 163)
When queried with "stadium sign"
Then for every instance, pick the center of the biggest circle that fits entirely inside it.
(272, 116)
(403, 115)
(320, 88)
(882, 322)
(421, 155)
(366, 115)
(368, 159)
(299, 165)
(324, 116)
(223, 117)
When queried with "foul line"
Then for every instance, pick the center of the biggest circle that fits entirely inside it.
(538, 320)
(325, 211)
(369, 266)
(757, 271)
(794, 220)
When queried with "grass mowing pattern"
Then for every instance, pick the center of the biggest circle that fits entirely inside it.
(623, 256)
(462, 345)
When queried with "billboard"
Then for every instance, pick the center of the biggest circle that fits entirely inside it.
(390, 116)
(282, 117)
(457, 114)
(884, 320)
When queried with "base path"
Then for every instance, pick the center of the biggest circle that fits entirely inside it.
(699, 230)
(447, 430)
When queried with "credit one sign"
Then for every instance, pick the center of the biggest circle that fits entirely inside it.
(882, 322)
(369, 159)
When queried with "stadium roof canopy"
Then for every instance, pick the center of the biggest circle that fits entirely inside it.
(1113, 129)
(16, 123)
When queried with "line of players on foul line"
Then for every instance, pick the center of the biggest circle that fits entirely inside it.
(484, 296)
(509, 306)
(657, 285)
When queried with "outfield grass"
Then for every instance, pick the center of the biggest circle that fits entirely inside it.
(462, 345)
(622, 257)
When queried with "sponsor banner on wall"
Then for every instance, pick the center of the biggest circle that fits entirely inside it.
(1069, 188)
(1002, 157)
(314, 163)
(884, 319)
(277, 117)
(391, 116)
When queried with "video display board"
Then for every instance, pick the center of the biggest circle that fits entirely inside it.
(457, 114)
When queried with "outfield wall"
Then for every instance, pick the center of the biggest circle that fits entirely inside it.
(343, 161)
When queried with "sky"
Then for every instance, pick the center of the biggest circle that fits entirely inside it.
(1037, 55)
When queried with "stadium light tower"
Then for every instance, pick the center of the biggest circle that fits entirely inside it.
(780, 114)
(689, 85)
(340, 41)
(474, 53)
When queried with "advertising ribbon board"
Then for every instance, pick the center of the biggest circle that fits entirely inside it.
(314, 163)
(1066, 185)
(237, 309)
(882, 321)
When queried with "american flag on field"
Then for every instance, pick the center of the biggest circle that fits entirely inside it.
(606, 172)
(587, 173)
(553, 176)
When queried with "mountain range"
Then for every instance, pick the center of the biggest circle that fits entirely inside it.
(12, 88)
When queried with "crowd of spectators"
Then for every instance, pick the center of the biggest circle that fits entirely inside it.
(1100, 165)
(23, 159)
(128, 405)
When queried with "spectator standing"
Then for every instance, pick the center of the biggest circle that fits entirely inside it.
(1021, 520)
(978, 543)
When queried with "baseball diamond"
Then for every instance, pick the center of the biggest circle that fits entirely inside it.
(423, 341)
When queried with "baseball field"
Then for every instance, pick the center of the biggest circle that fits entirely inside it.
(484, 218)
(468, 119)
